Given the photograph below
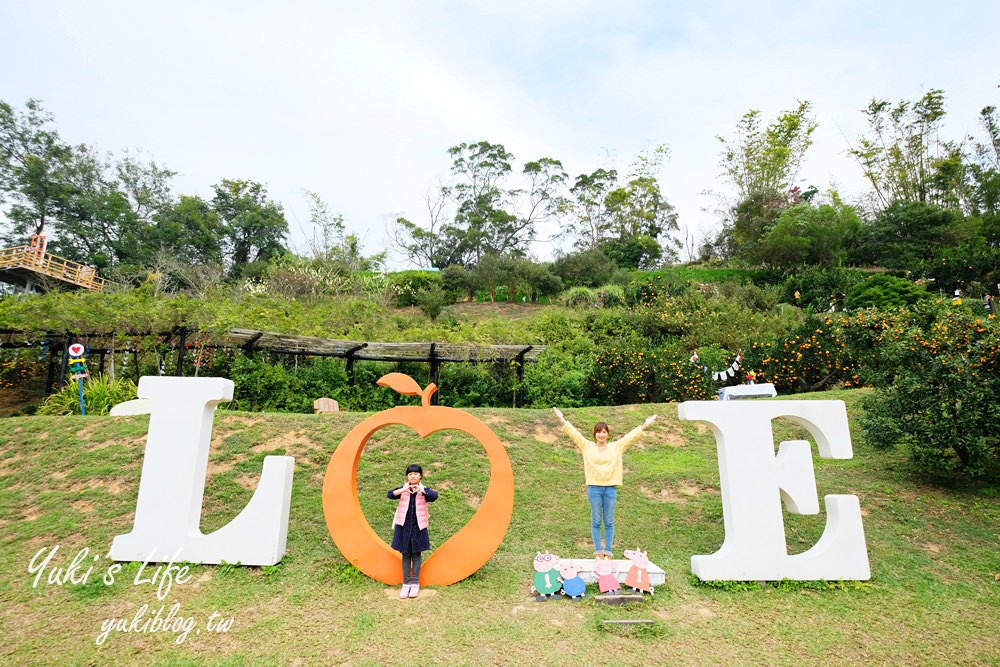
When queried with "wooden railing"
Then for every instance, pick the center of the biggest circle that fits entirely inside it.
(29, 258)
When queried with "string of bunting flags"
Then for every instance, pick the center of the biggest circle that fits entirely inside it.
(721, 375)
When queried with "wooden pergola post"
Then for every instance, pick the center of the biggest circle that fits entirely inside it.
(180, 352)
(65, 361)
(349, 357)
(434, 374)
(519, 362)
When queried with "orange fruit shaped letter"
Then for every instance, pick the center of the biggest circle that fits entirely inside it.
(468, 549)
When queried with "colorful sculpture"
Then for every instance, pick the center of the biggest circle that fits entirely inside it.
(78, 366)
(573, 585)
(465, 551)
(638, 574)
(547, 580)
(607, 582)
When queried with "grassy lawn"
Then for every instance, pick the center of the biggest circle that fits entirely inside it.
(72, 481)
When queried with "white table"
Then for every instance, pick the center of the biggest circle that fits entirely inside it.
(747, 391)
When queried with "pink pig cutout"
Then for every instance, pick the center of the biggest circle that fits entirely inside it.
(638, 574)
(607, 582)
(573, 584)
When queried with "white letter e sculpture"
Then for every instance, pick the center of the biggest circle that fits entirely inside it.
(755, 480)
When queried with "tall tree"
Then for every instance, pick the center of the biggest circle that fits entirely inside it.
(478, 214)
(984, 167)
(96, 224)
(188, 230)
(768, 159)
(333, 248)
(805, 234)
(587, 208)
(33, 165)
(93, 210)
(904, 157)
(641, 219)
(253, 227)
(908, 233)
(426, 247)
(762, 163)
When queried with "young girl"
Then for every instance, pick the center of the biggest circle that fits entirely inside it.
(410, 526)
(602, 466)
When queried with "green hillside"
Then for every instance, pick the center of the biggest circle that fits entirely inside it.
(72, 482)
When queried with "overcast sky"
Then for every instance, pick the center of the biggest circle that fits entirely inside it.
(360, 101)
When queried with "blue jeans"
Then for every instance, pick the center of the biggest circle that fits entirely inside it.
(602, 511)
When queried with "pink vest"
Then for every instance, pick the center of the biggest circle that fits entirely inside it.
(423, 517)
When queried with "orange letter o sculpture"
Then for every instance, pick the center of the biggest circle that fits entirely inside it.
(468, 549)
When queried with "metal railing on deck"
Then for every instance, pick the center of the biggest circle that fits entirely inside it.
(30, 258)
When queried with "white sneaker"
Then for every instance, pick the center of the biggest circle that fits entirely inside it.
(414, 589)
(404, 592)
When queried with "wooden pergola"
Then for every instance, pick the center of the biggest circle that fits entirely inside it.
(433, 354)
(182, 340)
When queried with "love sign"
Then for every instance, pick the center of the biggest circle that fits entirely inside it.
(754, 480)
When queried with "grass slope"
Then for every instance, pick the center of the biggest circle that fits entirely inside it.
(72, 481)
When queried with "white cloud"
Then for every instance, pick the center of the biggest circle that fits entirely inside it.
(360, 102)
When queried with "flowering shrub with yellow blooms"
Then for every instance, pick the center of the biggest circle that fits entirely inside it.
(20, 368)
(940, 395)
(633, 371)
(812, 357)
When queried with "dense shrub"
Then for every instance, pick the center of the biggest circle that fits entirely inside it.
(266, 384)
(970, 267)
(632, 371)
(679, 379)
(819, 288)
(580, 297)
(647, 291)
(556, 379)
(467, 385)
(884, 291)
(611, 295)
(942, 404)
(100, 394)
(408, 284)
(432, 301)
(752, 297)
(459, 282)
(588, 269)
(21, 367)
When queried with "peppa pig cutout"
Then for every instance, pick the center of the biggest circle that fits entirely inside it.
(573, 585)
(607, 582)
(638, 573)
(546, 575)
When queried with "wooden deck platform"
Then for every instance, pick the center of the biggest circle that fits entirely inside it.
(28, 266)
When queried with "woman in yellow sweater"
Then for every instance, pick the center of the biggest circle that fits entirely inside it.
(602, 466)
